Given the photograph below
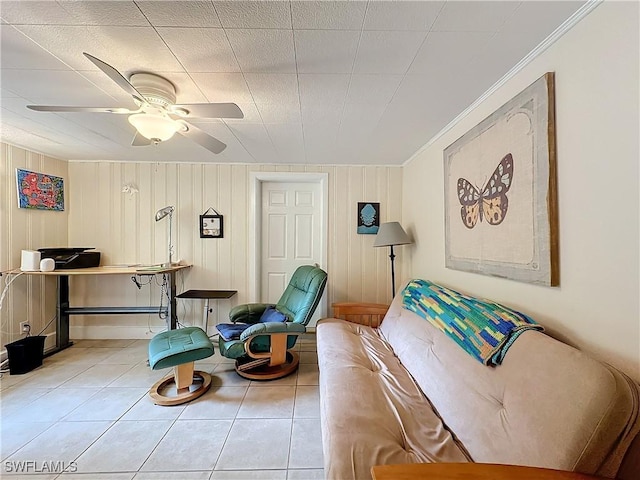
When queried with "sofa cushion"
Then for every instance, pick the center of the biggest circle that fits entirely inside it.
(547, 405)
(372, 411)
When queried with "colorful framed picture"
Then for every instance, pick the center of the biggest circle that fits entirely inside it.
(39, 190)
(368, 218)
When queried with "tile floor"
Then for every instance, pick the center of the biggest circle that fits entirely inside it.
(89, 405)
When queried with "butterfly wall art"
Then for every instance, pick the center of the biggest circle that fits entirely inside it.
(500, 191)
(490, 203)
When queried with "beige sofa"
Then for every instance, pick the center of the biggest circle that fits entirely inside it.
(405, 393)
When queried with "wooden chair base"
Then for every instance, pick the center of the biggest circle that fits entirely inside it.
(261, 370)
(182, 395)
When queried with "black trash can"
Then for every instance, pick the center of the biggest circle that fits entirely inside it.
(25, 354)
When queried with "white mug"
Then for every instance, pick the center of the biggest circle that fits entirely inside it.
(47, 265)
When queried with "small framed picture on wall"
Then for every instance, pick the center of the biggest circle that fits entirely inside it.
(211, 226)
(368, 217)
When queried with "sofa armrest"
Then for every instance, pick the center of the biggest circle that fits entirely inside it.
(370, 314)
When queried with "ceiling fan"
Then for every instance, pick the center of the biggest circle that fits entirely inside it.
(158, 115)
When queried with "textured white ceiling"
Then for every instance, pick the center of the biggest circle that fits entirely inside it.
(319, 82)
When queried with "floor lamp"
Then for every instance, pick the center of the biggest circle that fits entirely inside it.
(390, 234)
(160, 214)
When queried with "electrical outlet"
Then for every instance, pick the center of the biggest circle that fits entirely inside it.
(25, 327)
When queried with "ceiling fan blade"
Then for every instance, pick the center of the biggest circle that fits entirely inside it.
(117, 77)
(61, 108)
(208, 110)
(200, 137)
(140, 141)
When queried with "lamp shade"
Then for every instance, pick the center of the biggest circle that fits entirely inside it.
(163, 212)
(391, 233)
(154, 127)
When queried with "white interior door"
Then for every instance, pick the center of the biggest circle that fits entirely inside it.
(291, 233)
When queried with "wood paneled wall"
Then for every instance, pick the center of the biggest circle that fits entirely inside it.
(29, 298)
(122, 227)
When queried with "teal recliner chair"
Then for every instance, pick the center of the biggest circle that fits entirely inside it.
(263, 349)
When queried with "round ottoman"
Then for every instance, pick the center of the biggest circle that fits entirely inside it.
(179, 349)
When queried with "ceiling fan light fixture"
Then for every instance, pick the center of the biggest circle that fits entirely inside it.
(156, 128)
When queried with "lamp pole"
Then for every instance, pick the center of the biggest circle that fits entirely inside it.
(393, 273)
(170, 246)
(391, 234)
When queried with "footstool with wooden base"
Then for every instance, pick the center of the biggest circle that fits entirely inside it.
(179, 349)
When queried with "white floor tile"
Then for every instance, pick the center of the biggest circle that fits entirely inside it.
(306, 474)
(309, 357)
(173, 475)
(145, 409)
(140, 375)
(217, 403)
(127, 356)
(54, 405)
(96, 476)
(267, 402)
(307, 347)
(97, 376)
(110, 343)
(71, 354)
(55, 374)
(7, 380)
(307, 404)
(124, 447)
(108, 404)
(308, 374)
(63, 442)
(92, 400)
(83, 355)
(249, 475)
(19, 396)
(21, 476)
(205, 365)
(288, 380)
(255, 445)
(14, 436)
(306, 444)
(225, 375)
(189, 445)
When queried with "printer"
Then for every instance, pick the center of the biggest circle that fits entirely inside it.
(66, 257)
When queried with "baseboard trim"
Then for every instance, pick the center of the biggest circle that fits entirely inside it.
(106, 332)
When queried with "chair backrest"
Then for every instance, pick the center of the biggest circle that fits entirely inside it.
(302, 295)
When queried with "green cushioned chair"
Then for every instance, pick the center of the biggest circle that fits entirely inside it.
(179, 349)
(263, 351)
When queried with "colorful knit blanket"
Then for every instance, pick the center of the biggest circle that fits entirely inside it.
(485, 330)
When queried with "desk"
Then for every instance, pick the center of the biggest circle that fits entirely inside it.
(63, 309)
(471, 471)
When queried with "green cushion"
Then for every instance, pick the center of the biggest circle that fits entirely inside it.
(302, 295)
(175, 347)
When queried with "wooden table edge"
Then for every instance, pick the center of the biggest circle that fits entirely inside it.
(472, 471)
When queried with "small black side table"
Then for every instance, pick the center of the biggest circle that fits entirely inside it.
(207, 295)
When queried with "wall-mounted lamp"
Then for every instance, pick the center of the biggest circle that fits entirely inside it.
(160, 214)
(390, 234)
(130, 188)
